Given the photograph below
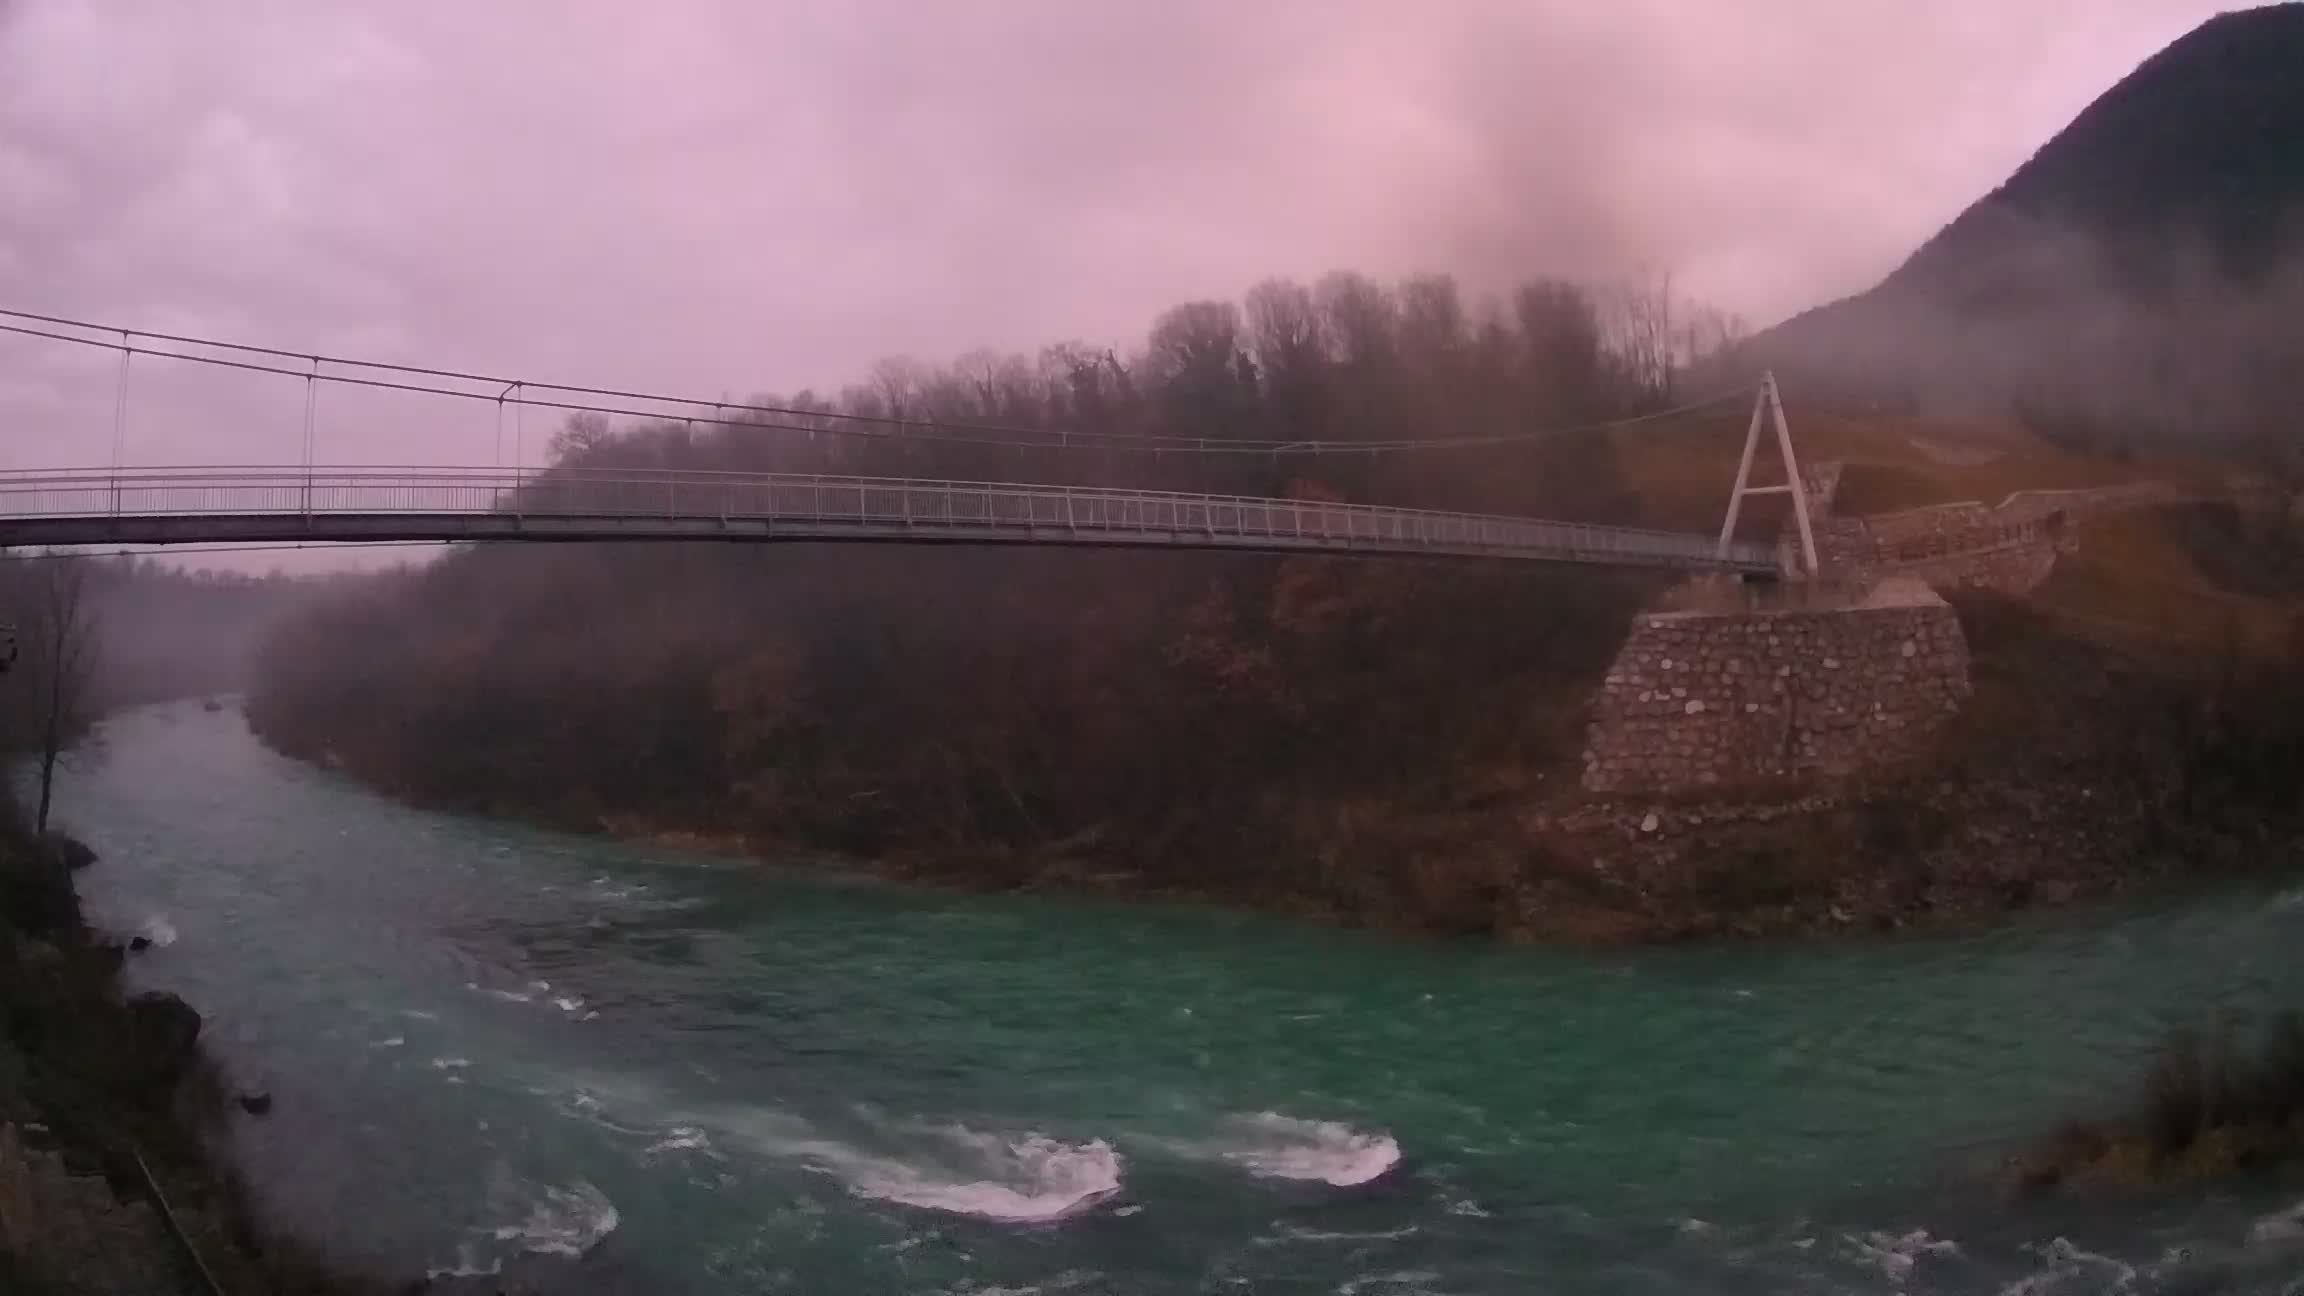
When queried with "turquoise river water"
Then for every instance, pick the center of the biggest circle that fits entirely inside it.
(691, 1074)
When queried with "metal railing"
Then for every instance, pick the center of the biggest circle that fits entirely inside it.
(161, 505)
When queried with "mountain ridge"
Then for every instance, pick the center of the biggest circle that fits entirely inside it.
(2140, 272)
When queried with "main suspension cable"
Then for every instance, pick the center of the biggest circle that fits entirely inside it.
(831, 422)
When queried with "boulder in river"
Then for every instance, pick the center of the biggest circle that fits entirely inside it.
(257, 1103)
(68, 851)
(139, 944)
(164, 1031)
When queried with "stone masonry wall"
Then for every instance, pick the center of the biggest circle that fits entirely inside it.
(1698, 701)
(2010, 547)
(2012, 557)
(2017, 566)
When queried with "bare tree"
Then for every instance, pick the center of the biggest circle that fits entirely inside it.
(1286, 332)
(577, 441)
(1712, 335)
(63, 634)
(1567, 359)
(1197, 362)
(1643, 337)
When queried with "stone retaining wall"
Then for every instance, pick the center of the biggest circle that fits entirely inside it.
(1698, 701)
(2010, 547)
(2016, 566)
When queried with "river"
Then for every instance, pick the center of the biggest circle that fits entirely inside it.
(704, 1075)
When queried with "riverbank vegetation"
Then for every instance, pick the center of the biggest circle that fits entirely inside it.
(2212, 1104)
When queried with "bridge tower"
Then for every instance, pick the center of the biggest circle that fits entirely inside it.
(1769, 407)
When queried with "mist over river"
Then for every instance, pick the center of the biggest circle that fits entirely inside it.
(705, 1075)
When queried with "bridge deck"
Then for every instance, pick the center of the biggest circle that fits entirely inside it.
(207, 505)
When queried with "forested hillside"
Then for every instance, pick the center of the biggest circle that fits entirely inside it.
(1011, 713)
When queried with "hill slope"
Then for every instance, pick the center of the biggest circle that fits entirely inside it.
(2138, 279)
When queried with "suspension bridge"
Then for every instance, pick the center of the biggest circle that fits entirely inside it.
(121, 504)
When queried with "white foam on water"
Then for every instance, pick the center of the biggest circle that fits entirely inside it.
(589, 1108)
(1274, 1146)
(158, 930)
(601, 888)
(466, 1266)
(1030, 1179)
(1405, 1280)
(450, 1063)
(570, 1004)
(1016, 1178)
(1291, 1233)
(2280, 1229)
(682, 1138)
(394, 1041)
(564, 1221)
(508, 996)
(2065, 1268)
(1898, 1254)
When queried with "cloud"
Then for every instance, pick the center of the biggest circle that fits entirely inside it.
(728, 197)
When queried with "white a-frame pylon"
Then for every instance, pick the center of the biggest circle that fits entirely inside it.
(1771, 406)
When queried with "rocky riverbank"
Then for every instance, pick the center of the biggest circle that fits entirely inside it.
(109, 1181)
(2075, 772)
(1922, 851)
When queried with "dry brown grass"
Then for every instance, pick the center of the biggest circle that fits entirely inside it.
(2132, 584)
(1681, 469)
(2211, 1106)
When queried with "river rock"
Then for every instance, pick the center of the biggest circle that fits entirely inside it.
(69, 851)
(164, 1032)
(258, 1103)
(139, 944)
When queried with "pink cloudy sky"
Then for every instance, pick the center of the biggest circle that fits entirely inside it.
(738, 197)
